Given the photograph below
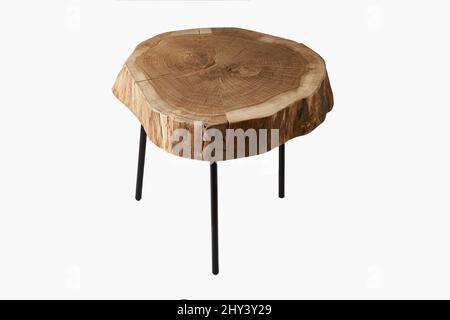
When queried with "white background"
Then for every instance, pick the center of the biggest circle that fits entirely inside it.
(366, 213)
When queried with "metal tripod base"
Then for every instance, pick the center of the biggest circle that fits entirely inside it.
(213, 190)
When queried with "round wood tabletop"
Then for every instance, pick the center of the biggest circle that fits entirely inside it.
(203, 83)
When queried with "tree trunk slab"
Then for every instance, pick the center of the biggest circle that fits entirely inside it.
(223, 78)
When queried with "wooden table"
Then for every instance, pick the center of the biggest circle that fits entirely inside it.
(223, 93)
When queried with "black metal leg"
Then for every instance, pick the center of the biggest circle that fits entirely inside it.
(214, 219)
(281, 171)
(141, 161)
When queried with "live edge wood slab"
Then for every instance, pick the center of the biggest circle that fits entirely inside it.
(224, 78)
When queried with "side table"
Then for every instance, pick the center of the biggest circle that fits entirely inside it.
(218, 94)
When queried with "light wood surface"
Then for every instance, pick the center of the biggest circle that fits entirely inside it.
(224, 78)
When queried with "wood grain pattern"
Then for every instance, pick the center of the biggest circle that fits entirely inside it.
(224, 78)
